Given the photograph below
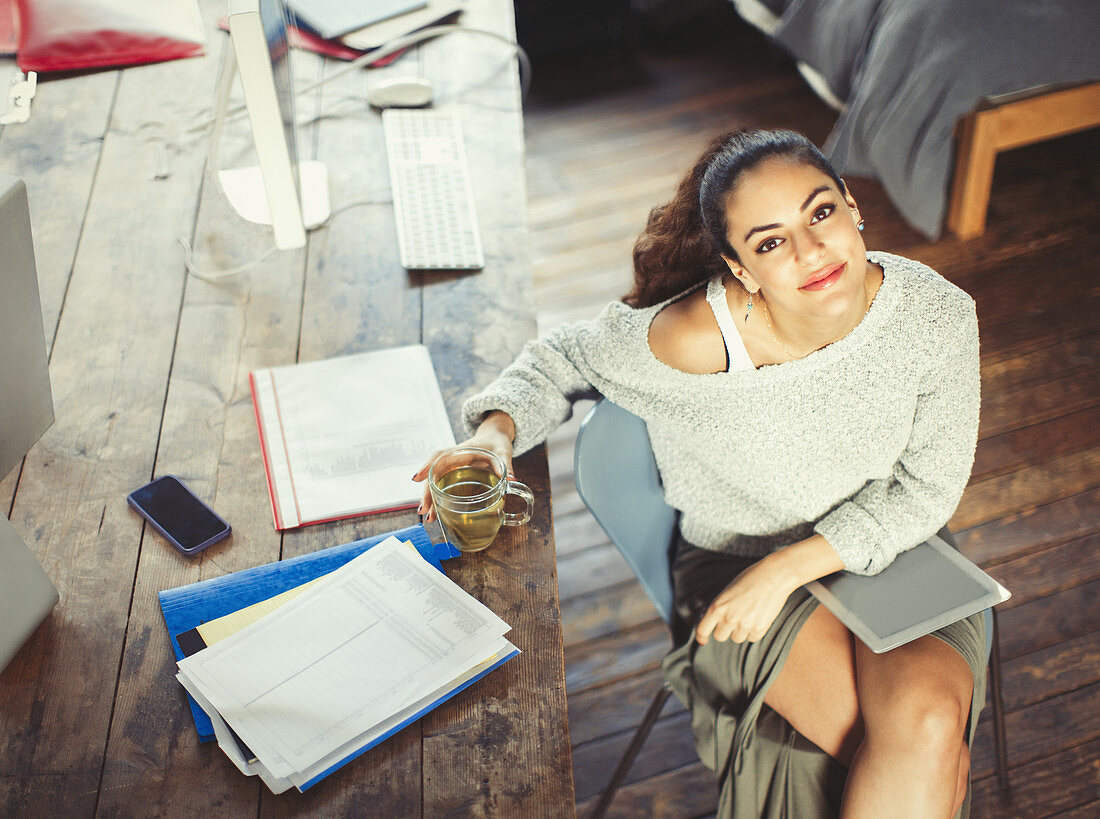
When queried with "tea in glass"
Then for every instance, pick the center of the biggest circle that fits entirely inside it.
(472, 526)
(468, 486)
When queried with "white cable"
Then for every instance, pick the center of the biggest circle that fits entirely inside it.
(238, 111)
(214, 276)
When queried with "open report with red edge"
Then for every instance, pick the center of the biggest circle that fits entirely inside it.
(342, 437)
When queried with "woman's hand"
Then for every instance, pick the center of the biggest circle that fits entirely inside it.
(495, 434)
(746, 608)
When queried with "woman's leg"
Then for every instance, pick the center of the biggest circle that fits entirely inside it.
(897, 719)
(914, 760)
(816, 690)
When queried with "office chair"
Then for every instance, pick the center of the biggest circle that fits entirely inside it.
(616, 477)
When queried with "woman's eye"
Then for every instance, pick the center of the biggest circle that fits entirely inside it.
(768, 244)
(822, 212)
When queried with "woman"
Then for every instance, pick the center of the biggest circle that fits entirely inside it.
(812, 408)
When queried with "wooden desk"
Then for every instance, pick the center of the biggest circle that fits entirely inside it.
(149, 369)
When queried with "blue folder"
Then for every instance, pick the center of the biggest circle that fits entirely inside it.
(187, 607)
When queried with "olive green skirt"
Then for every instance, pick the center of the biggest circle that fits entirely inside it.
(765, 768)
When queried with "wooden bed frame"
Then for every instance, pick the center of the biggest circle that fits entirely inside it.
(1010, 121)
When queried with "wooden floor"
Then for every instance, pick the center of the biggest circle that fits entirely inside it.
(607, 139)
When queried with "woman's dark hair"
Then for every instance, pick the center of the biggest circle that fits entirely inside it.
(684, 239)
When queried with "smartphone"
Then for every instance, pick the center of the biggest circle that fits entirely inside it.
(174, 511)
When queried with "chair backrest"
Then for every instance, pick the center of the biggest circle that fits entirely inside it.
(616, 477)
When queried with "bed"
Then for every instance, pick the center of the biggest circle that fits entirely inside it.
(908, 75)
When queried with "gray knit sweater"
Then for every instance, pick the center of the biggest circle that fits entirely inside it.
(868, 441)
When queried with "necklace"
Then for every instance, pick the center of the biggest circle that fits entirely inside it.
(779, 344)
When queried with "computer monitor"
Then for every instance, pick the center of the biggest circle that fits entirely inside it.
(288, 194)
(26, 411)
(26, 402)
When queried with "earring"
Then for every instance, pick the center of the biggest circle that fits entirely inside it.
(748, 307)
(859, 225)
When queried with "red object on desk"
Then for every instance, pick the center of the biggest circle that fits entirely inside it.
(67, 35)
(308, 41)
(9, 34)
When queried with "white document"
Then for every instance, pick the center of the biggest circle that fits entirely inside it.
(342, 437)
(344, 657)
(302, 779)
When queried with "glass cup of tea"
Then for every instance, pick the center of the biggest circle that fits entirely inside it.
(468, 486)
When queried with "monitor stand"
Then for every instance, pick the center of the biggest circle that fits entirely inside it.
(244, 188)
(26, 590)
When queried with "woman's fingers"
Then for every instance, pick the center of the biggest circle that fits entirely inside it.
(722, 625)
(427, 507)
(422, 473)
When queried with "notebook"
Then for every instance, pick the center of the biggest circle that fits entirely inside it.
(333, 18)
(343, 436)
(925, 588)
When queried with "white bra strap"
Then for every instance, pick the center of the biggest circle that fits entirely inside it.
(736, 353)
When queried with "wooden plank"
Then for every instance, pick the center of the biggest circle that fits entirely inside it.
(1040, 730)
(1002, 495)
(1086, 811)
(582, 573)
(1046, 115)
(109, 370)
(1008, 409)
(579, 533)
(689, 791)
(629, 652)
(670, 746)
(975, 154)
(1007, 537)
(1051, 672)
(1000, 298)
(1064, 781)
(616, 708)
(1019, 447)
(1043, 573)
(610, 610)
(1049, 620)
(1077, 355)
(1035, 329)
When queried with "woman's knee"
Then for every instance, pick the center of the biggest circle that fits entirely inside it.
(930, 719)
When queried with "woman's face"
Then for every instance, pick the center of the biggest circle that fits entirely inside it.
(796, 238)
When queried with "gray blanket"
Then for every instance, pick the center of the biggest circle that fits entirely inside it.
(908, 69)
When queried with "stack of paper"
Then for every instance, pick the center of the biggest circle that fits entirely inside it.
(342, 437)
(345, 663)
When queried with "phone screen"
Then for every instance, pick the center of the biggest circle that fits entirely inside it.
(185, 520)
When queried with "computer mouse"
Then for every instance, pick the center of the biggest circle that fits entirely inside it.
(400, 92)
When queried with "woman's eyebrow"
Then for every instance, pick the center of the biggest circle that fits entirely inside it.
(763, 228)
(813, 195)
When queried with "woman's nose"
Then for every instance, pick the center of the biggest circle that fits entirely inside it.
(809, 249)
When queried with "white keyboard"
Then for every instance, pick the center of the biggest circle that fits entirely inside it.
(432, 199)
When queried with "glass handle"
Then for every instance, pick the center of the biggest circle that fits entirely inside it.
(524, 491)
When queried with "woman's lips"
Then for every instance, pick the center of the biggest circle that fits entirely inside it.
(825, 277)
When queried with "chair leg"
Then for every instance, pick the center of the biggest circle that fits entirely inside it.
(998, 706)
(632, 750)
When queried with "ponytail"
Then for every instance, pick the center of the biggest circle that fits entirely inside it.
(675, 250)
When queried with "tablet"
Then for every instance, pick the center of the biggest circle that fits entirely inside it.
(924, 589)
